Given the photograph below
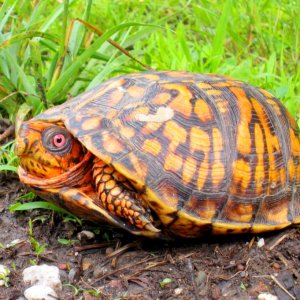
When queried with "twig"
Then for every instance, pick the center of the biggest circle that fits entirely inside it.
(235, 274)
(282, 287)
(9, 131)
(121, 250)
(277, 282)
(155, 264)
(278, 241)
(128, 266)
(92, 246)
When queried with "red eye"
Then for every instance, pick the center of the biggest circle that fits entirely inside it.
(59, 140)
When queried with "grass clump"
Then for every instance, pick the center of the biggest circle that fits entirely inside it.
(47, 55)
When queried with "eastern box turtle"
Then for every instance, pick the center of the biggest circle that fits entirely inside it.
(168, 152)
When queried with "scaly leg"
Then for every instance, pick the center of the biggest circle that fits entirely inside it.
(117, 196)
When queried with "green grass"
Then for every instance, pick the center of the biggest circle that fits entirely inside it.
(46, 59)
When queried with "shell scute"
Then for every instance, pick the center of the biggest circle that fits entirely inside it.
(204, 149)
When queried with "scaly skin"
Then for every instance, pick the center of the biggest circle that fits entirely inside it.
(40, 168)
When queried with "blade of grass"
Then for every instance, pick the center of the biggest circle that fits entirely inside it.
(219, 39)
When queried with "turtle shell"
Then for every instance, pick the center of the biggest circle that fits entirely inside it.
(209, 154)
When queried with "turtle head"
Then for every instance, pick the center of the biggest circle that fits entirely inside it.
(47, 150)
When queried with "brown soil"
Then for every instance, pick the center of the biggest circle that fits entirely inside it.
(116, 265)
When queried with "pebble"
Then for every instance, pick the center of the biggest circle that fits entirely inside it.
(3, 271)
(86, 264)
(267, 296)
(40, 292)
(260, 243)
(85, 235)
(276, 266)
(240, 267)
(43, 275)
(178, 291)
(200, 278)
(216, 293)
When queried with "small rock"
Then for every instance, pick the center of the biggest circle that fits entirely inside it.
(267, 296)
(216, 293)
(40, 292)
(178, 291)
(74, 275)
(260, 243)
(86, 264)
(276, 266)
(63, 266)
(240, 267)
(85, 235)
(258, 288)
(43, 275)
(4, 271)
(200, 278)
(244, 274)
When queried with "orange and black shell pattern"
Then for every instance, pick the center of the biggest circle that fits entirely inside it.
(208, 154)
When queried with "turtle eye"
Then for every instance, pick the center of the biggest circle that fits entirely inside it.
(57, 140)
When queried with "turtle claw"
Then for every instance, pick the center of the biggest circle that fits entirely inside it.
(151, 228)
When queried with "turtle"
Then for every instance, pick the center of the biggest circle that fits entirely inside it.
(168, 153)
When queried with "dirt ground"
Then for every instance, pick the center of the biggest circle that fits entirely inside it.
(115, 265)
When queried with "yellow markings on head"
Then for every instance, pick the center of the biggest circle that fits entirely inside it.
(110, 143)
(161, 98)
(175, 133)
(238, 212)
(189, 169)
(260, 171)
(203, 111)
(218, 168)
(91, 123)
(173, 162)
(152, 146)
(135, 91)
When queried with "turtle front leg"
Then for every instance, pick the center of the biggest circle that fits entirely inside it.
(118, 197)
